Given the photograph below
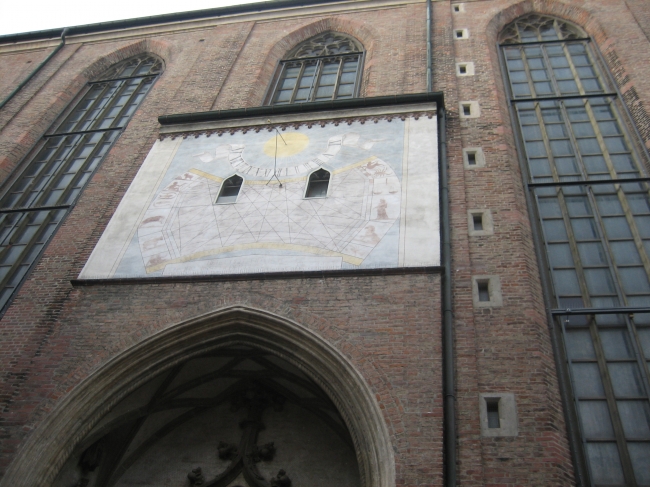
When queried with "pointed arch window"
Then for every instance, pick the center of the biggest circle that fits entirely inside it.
(323, 68)
(318, 184)
(35, 203)
(230, 190)
(589, 189)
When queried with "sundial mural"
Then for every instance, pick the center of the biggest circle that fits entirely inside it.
(169, 222)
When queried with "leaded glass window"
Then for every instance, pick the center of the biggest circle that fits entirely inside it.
(35, 203)
(588, 182)
(325, 67)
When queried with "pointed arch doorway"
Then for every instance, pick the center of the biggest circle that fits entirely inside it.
(239, 397)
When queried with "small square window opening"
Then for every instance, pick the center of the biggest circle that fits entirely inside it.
(473, 157)
(492, 406)
(459, 34)
(486, 290)
(498, 413)
(469, 109)
(480, 224)
(465, 68)
(477, 219)
(483, 290)
(456, 8)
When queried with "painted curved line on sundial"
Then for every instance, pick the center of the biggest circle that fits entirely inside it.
(296, 142)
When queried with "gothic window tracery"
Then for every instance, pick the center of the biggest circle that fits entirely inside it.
(589, 188)
(35, 203)
(325, 67)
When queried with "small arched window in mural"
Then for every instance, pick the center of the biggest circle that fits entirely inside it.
(325, 67)
(318, 184)
(230, 190)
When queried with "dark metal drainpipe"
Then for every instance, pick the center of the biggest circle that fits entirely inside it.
(429, 60)
(449, 379)
(447, 327)
(38, 68)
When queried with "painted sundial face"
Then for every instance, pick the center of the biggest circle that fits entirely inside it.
(294, 150)
(285, 146)
(287, 153)
(272, 226)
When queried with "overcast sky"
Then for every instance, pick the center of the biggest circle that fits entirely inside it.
(30, 15)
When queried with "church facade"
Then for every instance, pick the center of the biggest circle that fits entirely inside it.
(357, 243)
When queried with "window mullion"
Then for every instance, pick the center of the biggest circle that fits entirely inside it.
(529, 77)
(572, 381)
(296, 87)
(89, 110)
(638, 241)
(101, 109)
(615, 417)
(74, 150)
(101, 116)
(638, 353)
(565, 216)
(17, 230)
(361, 59)
(547, 142)
(574, 70)
(30, 198)
(634, 148)
(125, 107)
(81, 171)
(606, 246)
(574, 142)
(315, 82)
(551, 71)
(20, 202)
(142, 88)
(601, 141)
(339, 72)
(575, 253)
(274, 93)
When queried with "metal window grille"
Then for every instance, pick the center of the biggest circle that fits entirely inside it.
(589, 190)
(325, 67)
(36, 202)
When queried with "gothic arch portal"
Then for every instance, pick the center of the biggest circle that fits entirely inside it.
(100, 401)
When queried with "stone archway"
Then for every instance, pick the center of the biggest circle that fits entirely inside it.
(261, 360)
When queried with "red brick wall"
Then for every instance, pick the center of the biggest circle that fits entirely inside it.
(54, 335)
(16, 66)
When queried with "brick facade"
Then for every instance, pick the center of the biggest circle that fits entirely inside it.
(55, 335)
